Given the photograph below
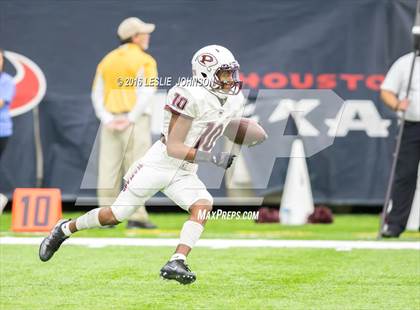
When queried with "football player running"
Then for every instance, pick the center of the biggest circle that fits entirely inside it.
(195, 117)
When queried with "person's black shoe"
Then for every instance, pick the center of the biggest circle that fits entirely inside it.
(138, 224)
(389, 234)
(52, 243)
(179, 271)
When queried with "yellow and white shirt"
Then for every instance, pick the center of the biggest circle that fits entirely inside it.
(124, 83)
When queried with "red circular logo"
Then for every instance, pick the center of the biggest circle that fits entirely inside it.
(30, 83)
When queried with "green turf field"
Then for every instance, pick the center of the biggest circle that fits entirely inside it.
(127, 278)
(261, 278)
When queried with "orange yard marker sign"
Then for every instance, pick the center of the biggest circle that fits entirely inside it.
(35, 209)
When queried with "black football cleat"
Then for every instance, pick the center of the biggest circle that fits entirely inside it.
(52, 243)
(179, 271)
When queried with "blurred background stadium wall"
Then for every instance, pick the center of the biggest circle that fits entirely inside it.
(346, 46)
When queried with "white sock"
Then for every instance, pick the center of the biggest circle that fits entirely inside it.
(89, 220)
(66, 229)
(190, 233)
(178, 256)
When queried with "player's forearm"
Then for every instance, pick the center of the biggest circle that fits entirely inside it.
(181, 151)
(1, 103)
(390, 99)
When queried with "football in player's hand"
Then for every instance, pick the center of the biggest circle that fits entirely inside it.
(245, 131)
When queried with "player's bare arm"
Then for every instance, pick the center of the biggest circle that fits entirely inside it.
(178, 130)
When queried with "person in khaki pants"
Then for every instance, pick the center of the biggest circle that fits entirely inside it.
(124, 83)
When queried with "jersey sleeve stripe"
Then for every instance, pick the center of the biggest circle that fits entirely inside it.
(173, 111)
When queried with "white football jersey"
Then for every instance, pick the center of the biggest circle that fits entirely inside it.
(209, 117)
(209, 120)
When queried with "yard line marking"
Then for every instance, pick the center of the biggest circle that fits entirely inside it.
(227, 243)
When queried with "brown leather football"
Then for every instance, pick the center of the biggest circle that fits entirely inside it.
(245, 131)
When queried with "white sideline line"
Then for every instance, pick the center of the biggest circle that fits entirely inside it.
(228, 243)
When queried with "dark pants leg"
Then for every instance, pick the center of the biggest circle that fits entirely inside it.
(405, 178)
(3, 142)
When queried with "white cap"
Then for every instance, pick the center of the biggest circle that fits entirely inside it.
(133, 25)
